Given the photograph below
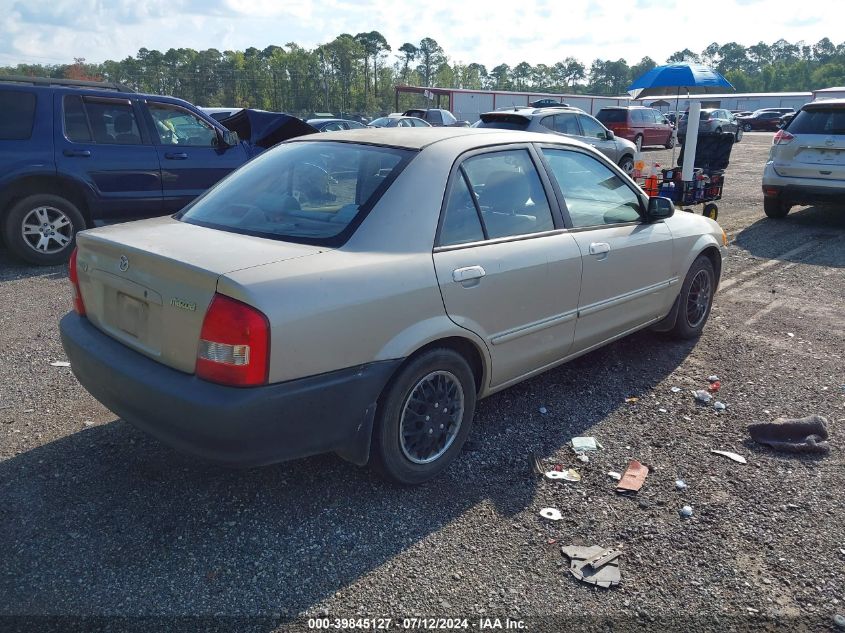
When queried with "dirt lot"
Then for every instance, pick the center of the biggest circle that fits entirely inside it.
(97, 519)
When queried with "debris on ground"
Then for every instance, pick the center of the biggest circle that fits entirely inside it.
(713, 378)
(676, 389)
(544, 410)
(796, 435)
(536, 464)
(719, 406)
(680, 484)
(714, 386)
(685, 512)
(790, 335)
(734, 456)
(632, 399)
(580, 444)
(60, 363)
(633, 478)
(614, 475)
(583, 457)
(702, 396)
(552, 514)
(567, 475)
(594, 565)
(839, 620)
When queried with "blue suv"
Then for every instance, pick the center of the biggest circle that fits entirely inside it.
(74, 152)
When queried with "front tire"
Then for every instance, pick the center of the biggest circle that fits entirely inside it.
(671, 142)
(626, 163)
(639, 141)
(41, 229)
(696, 299)
(424, 417)
(747, 127)
(738, 136)
(775, 208)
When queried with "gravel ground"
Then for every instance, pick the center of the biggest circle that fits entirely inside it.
(99, 520)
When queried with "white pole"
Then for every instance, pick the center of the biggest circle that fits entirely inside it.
(691, 140)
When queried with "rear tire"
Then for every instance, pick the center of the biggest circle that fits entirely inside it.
(638, 140)
(775, 208)
(738, 136)
(747, 127)
(424, 417)
(696, 299)
(671, 142)
(41, 229)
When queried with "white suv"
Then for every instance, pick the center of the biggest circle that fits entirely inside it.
(807, 161)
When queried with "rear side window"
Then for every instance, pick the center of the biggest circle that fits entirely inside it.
(17, 114)
(612, 116)
(504, 121)
(434, 117)
(102, 121)
(819, 121)
(309, 192)
(509, 193)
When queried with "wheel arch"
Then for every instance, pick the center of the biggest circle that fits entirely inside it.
(46, 184)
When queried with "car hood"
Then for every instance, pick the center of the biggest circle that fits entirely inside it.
(261, 130)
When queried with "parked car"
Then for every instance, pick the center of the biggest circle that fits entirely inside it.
(548, 103)
(335, 125)
(778, 110)
(638, 124)
(358, 292)
(436, 117)
(75, 152)
(760, 121)
(572, 122)
(218, 114)
(807, 161)
(712, 121)
(398, 120)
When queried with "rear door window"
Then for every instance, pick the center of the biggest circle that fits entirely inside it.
(100, 120)
(434, 117)
(819, 121)
(17, 114)
(567, 124)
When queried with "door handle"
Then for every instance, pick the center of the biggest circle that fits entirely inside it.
(599, 248)
(81, 153)
(176, 155)
(468, 273)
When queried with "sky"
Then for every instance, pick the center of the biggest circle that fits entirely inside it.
(489, 32)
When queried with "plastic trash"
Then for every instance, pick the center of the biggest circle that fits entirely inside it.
(584, 444)
(544, 410)
(713, 378)
(594, 565)
(686, 512)
(632, 399)
(614, 475)
(566, 475)
(719, 406)
(676, 389)
(702, 396)
(680, 484)
(714, 386)
(734, 456)
(60, 363)
(552, 514)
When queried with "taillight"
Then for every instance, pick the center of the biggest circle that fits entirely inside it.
(234, 347)
(782, 138)
(78, 304)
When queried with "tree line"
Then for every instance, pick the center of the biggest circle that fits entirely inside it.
(357, 73)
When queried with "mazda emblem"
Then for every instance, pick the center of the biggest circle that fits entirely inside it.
(124, 263)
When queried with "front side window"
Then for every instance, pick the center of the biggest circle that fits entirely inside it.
(177, 126)
(309, 192)
(509, 193)
(18, 115)
(592, 128)
(594, 195)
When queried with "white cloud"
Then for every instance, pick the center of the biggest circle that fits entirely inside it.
(469, 30)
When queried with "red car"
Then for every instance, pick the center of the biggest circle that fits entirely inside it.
(636, 123)
(764, 120)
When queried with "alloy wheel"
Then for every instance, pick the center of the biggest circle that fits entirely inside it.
(47, 230)
(431, 417)
(698, 298)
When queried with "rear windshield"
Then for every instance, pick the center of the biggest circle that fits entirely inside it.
(309, 192)
(819, 121)
(504, 121)
(612, 116)
(18, 114)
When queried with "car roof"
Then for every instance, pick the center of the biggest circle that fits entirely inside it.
(530, 112)
(419, 138)
(821, 103)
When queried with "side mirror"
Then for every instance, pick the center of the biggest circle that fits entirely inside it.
(229, 138)
(609, 135)
(659, 209)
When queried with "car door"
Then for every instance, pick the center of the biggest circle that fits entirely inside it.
(101, 143)
(190, 152)
(507, 269)
(595, 134)
(626, 279)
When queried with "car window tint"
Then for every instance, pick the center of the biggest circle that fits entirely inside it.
(112, 122)
(548, 122)
(594, 195)
(819, 121)
(76, 123)
(592, 127)
(510, 193)
(612, 116)
(460, 222)
(177, 126)
(567, 124)
(434, 117)
(306, 191)
(18, 114)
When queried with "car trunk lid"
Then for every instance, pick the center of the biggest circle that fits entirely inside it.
(148, 284)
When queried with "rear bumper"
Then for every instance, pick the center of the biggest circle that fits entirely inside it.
(255, 426)
(801, 190)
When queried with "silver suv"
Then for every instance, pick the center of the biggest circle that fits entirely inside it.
(807, 161)
(572, 122)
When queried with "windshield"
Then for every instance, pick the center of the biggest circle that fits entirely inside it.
(612, 116)
(382, 122)
(311, 192)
